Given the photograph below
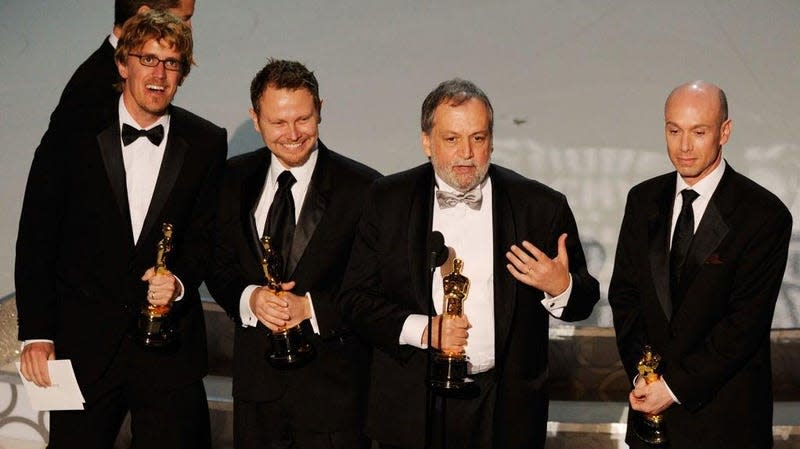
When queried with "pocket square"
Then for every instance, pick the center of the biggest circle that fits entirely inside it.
(714, 259)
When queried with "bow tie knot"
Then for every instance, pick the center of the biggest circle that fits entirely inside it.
(130, 134)
(472, 199)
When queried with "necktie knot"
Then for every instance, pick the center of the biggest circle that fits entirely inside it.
(689, 196)
(286, 180)
(472, 199)
(130, 134)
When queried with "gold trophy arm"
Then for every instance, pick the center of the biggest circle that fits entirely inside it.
(163, 249)
(272, 266)
(456, 289)
(648, 365)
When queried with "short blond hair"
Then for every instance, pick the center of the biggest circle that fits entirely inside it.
(161, 26)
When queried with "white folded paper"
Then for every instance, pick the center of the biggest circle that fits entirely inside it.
(64, 394)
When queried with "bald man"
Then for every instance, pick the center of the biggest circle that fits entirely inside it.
(699, 265)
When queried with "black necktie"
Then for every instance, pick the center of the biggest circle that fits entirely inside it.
(280, 219)
(681, 239)
(130, 134)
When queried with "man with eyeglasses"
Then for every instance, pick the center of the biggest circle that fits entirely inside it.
(90, 95)
(91, 222)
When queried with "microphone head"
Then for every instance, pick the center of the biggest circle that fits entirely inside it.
(439, 251)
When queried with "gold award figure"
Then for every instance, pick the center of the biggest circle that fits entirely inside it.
(450, 367)
(155, 330)
(289, 346)
(650, 428)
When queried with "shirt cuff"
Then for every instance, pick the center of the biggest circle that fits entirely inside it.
(35, 340)
(555, 304)
(313, 319)
(245, 313)
(412, 331)
(669, 390)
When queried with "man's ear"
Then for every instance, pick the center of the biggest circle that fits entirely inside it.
(725, 132)
(254, 118)
(426, 143)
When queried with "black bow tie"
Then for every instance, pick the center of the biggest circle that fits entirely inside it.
(130, 134)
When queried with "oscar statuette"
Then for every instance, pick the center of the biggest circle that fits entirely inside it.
(650, 428)
(449, 375)
(289, 346)
(155, 329)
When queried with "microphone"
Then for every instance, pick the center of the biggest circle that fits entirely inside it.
(439, 252)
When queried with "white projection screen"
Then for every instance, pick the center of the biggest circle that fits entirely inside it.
(578, 88)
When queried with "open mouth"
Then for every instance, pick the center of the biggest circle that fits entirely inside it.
(155, 88)
(292, 146)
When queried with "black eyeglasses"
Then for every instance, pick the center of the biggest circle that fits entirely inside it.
(153, 61)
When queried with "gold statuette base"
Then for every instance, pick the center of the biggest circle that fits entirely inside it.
(290, 349)
(650, 429)
(155, 329)
(450, 376)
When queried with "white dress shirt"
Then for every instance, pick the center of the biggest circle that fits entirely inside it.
(302, 175)
(470, 233)
(142, 162)
(705, 189)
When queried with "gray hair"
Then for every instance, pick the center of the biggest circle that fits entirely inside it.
(454, 92)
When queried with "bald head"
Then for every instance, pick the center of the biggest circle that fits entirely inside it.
(709, 93)
(696, 126)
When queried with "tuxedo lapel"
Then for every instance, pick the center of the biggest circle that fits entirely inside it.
(167, 175)
(504, 235)
(420, 225)
(111, 150)
(251, 192)
(313, 210)
(658, 234)
(711, 231)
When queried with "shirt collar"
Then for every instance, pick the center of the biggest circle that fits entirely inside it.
(706, 186)
(113, 39)
(302, 173)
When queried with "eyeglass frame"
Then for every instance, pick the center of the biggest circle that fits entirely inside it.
(179, 67)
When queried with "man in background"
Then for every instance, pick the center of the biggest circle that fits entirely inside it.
(91, 95)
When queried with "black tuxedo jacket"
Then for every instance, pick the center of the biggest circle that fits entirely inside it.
(89, 98)
(77, 268)
(386, 282)
(715, 347)
(330, 390)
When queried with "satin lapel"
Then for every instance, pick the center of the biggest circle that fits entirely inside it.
(111, 150)
(313, 210)
(505, 286)
(711, 231)
(167, 175)
(252, 189)
(658, 234)
(420, 225)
